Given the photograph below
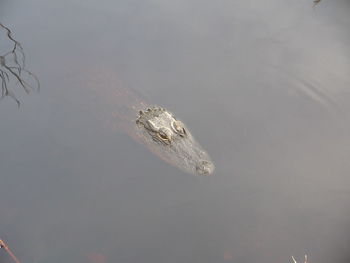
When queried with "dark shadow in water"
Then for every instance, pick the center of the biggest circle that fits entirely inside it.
(316, 2)
(12, 66)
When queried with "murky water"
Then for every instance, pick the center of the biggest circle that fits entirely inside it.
(264, 86)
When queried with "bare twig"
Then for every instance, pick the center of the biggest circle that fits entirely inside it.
(15, 70)
(4, 246)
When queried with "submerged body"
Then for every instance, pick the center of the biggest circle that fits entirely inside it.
(153, 126)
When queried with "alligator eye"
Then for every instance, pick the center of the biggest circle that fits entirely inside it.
(163, 136)
(178, 127)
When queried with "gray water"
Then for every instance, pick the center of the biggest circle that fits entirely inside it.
(263, 85)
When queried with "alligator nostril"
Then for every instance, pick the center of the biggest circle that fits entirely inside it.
(205, 167)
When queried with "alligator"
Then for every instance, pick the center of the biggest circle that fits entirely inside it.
(125, 109)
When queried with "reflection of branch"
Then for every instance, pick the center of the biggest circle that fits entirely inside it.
(16, 70)
(6, 248)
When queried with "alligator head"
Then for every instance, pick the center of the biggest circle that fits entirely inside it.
(172, 141)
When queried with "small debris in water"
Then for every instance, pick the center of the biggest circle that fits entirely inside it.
(294, 261)
(316, 2)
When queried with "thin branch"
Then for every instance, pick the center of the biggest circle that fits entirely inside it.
(16, 70)
(17, 45)
(4, 246)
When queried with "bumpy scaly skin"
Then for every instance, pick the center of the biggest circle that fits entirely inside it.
(172, 141)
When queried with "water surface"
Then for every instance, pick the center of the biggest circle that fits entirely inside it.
(263, 86)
